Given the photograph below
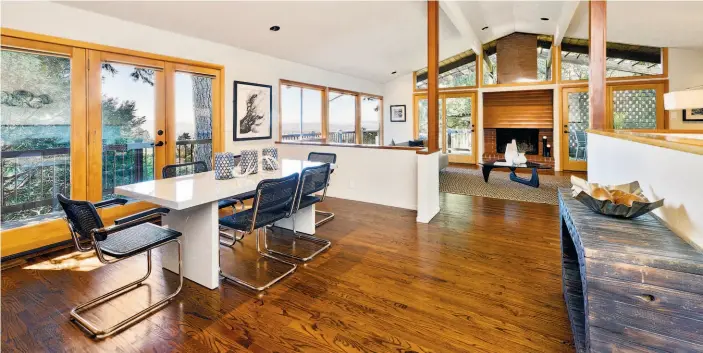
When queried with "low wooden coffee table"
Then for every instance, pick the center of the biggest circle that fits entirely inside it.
(487, 166)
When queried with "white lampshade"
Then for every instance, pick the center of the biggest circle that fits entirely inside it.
(679, 100)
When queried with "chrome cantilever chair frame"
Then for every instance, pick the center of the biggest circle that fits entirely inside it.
(313, 239)
(328, 215)
(75, 312)
(258, 247)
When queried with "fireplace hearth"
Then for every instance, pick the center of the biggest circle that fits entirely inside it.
(527, 140)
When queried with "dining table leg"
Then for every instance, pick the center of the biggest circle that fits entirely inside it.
(201, 244)
(304, 221)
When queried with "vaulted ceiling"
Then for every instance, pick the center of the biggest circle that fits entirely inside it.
(371, 39)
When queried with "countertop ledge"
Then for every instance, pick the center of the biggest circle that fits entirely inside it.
(690, 141)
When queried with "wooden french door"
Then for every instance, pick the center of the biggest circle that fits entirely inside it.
(574, 123)
(457, 124)
(126, 121)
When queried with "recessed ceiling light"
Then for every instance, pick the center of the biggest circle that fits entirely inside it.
(484, 28)
(544, 19)
(394, 72)
(275, 28)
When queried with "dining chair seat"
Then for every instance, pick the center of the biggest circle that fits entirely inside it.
(137, 239)
(241, 221)
(309, 200)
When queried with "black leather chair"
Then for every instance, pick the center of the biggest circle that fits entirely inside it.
(128, 237)
(312, 180)
(274, 200)
(323, 158)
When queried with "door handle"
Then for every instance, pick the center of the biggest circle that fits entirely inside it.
(566, 132)
(159, 144)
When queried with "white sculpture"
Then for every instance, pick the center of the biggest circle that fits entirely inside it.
(511, 152)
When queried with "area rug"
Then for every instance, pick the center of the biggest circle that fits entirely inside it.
(465, 181)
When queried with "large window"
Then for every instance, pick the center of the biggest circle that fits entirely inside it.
(371, 120)
(301, 113)
(518, 58)
(456, 71)
(36, 134)
(622, 60)
(342, 117)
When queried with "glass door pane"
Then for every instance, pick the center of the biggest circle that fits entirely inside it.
(35, 136)
(422, 110)
(575, 120)
(128, 125)
(370, 120)
(342, 118)
(193, 118)
(460, 129)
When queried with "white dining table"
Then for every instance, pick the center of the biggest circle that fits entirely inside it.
(192, 200)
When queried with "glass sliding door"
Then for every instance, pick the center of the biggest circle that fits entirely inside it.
(40, 130)
(130, 122)
(575, 122)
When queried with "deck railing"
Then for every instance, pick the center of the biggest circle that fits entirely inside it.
(31, 179)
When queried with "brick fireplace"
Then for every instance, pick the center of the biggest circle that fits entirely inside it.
(490, 148)
(519, 115)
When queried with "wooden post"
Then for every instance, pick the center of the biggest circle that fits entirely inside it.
(432, 74)
(597, 61)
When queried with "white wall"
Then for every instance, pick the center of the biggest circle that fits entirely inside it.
(382, 176)
(685, 71)
(661, 172)
(398, 92)
(63, 21)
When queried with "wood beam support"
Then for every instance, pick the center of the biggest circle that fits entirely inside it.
(597, 65)
(432, 76)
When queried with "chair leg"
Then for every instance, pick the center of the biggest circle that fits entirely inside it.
(233, 238)
(329, 217)
(98, 333)
(263, 254)
(302, 236)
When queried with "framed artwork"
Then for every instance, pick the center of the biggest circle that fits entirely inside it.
(252, 111)
(397, 113)
(694, 115)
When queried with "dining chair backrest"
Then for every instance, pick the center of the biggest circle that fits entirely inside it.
(322, 157)
(174, 170)
(274, 195)
(312, 180)
(82, 217)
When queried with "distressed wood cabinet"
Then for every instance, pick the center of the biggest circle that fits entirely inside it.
(629, 285)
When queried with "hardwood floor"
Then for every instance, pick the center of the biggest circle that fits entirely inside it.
(483, 276)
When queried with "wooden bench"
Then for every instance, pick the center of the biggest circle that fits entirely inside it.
(629, 285)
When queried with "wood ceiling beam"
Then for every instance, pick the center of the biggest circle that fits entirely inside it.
(567, 14)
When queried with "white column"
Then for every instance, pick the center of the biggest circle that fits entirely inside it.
(427, 186)
(200, 242)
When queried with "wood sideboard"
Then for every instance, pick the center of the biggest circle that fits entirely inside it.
(630, 285)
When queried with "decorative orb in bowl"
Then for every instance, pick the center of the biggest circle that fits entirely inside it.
(623, 201)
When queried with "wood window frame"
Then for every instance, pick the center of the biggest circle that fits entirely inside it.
(659, 87)
(83, 111)
(479, 77)
(663, 75)
(325, 91)
(323, 96)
